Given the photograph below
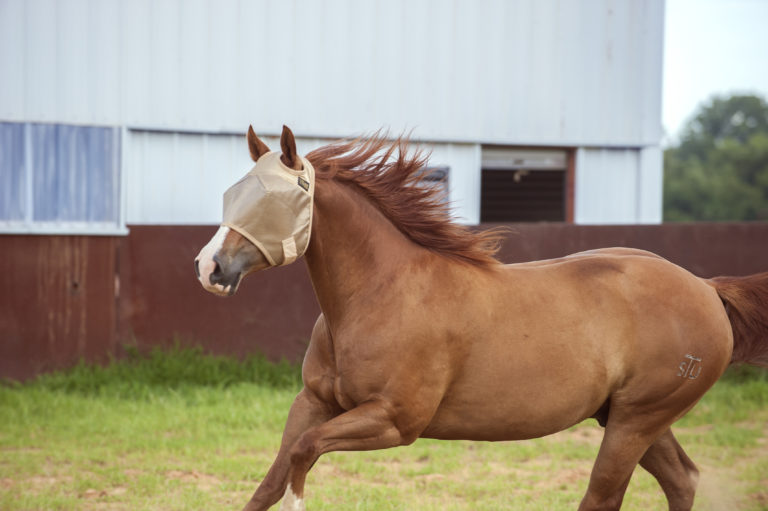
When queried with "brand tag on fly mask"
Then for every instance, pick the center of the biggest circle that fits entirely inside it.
(304, 183)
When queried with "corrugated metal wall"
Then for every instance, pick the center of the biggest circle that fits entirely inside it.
(541, 72)
(174, 178)
(618, 186)
(179, 178)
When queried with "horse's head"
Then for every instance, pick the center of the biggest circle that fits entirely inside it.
(267, 217)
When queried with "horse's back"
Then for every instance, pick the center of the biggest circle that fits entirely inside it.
(593, 253)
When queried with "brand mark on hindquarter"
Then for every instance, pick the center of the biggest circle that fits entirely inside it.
(690, 367)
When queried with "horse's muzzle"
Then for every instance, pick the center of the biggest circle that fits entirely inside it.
(228, 280)
(215, 278)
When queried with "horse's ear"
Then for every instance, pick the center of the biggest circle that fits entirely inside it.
(288, 145)
(255, 145)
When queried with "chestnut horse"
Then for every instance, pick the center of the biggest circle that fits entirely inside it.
(423, 333)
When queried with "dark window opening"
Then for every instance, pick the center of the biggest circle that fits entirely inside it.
(522, 196)
(523, 185)
(436, 177)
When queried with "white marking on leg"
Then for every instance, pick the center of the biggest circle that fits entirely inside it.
(206, 264)
(291, 502)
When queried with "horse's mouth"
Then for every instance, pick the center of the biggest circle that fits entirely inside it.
(220, 289)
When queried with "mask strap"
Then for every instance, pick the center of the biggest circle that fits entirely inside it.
(289, 251)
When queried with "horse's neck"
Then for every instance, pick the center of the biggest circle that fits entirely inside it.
(353, 248)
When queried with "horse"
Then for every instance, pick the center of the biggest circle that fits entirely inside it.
(423, 333)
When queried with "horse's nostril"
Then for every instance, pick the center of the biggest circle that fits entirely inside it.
(197, 268)
(217, 275)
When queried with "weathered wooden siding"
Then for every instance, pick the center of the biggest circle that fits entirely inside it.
(66, 298)
(161, 299)
(705, 249)
(57, 301)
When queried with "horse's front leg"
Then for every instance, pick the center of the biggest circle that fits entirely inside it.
(369, 426)
(307, 411)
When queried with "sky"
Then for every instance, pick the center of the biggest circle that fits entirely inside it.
(711, 47)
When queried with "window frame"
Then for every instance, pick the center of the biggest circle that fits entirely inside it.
(29, 226)
(540, 158)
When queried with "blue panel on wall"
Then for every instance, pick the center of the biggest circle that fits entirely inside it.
(12, 176)
(75, 173)
(45, 172)
(102, 181)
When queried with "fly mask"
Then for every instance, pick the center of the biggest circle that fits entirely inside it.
(272, 208)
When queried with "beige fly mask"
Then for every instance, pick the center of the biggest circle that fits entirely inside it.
(272, 208)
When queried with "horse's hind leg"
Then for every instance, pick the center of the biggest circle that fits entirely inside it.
(622, 447)
(634, 435)
(674, 471)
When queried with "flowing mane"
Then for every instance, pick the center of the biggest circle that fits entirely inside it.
(390, 177)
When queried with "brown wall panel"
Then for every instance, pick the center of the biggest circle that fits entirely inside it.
(57, 293)
(707, 250)
(57, 302)
(161, 300)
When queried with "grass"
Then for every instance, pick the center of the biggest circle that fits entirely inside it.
(180, 430)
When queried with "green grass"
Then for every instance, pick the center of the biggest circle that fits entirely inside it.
(178, 430)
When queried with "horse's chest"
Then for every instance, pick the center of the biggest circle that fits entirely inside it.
(350, 388)
(344, 397)
(357, 383)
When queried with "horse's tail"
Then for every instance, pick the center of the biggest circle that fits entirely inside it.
(746, 301)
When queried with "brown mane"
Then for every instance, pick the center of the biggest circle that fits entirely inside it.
(391, 182)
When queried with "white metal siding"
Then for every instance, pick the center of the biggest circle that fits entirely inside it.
(174, 178)
(542, 72)
(605, 186)
(650, 186)
(618, 186)
(463, 161)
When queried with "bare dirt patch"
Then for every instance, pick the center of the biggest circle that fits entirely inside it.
(720, 487)
(205, 482)
(92, 493)
(45, 481)
(716, 490)
(586, 435)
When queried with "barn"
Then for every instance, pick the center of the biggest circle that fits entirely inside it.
(134, 112)
(122, 123)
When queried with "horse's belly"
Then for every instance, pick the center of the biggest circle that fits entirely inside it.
(528, 404)
(513, 420)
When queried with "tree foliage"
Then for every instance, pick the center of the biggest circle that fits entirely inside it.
(719, 170)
